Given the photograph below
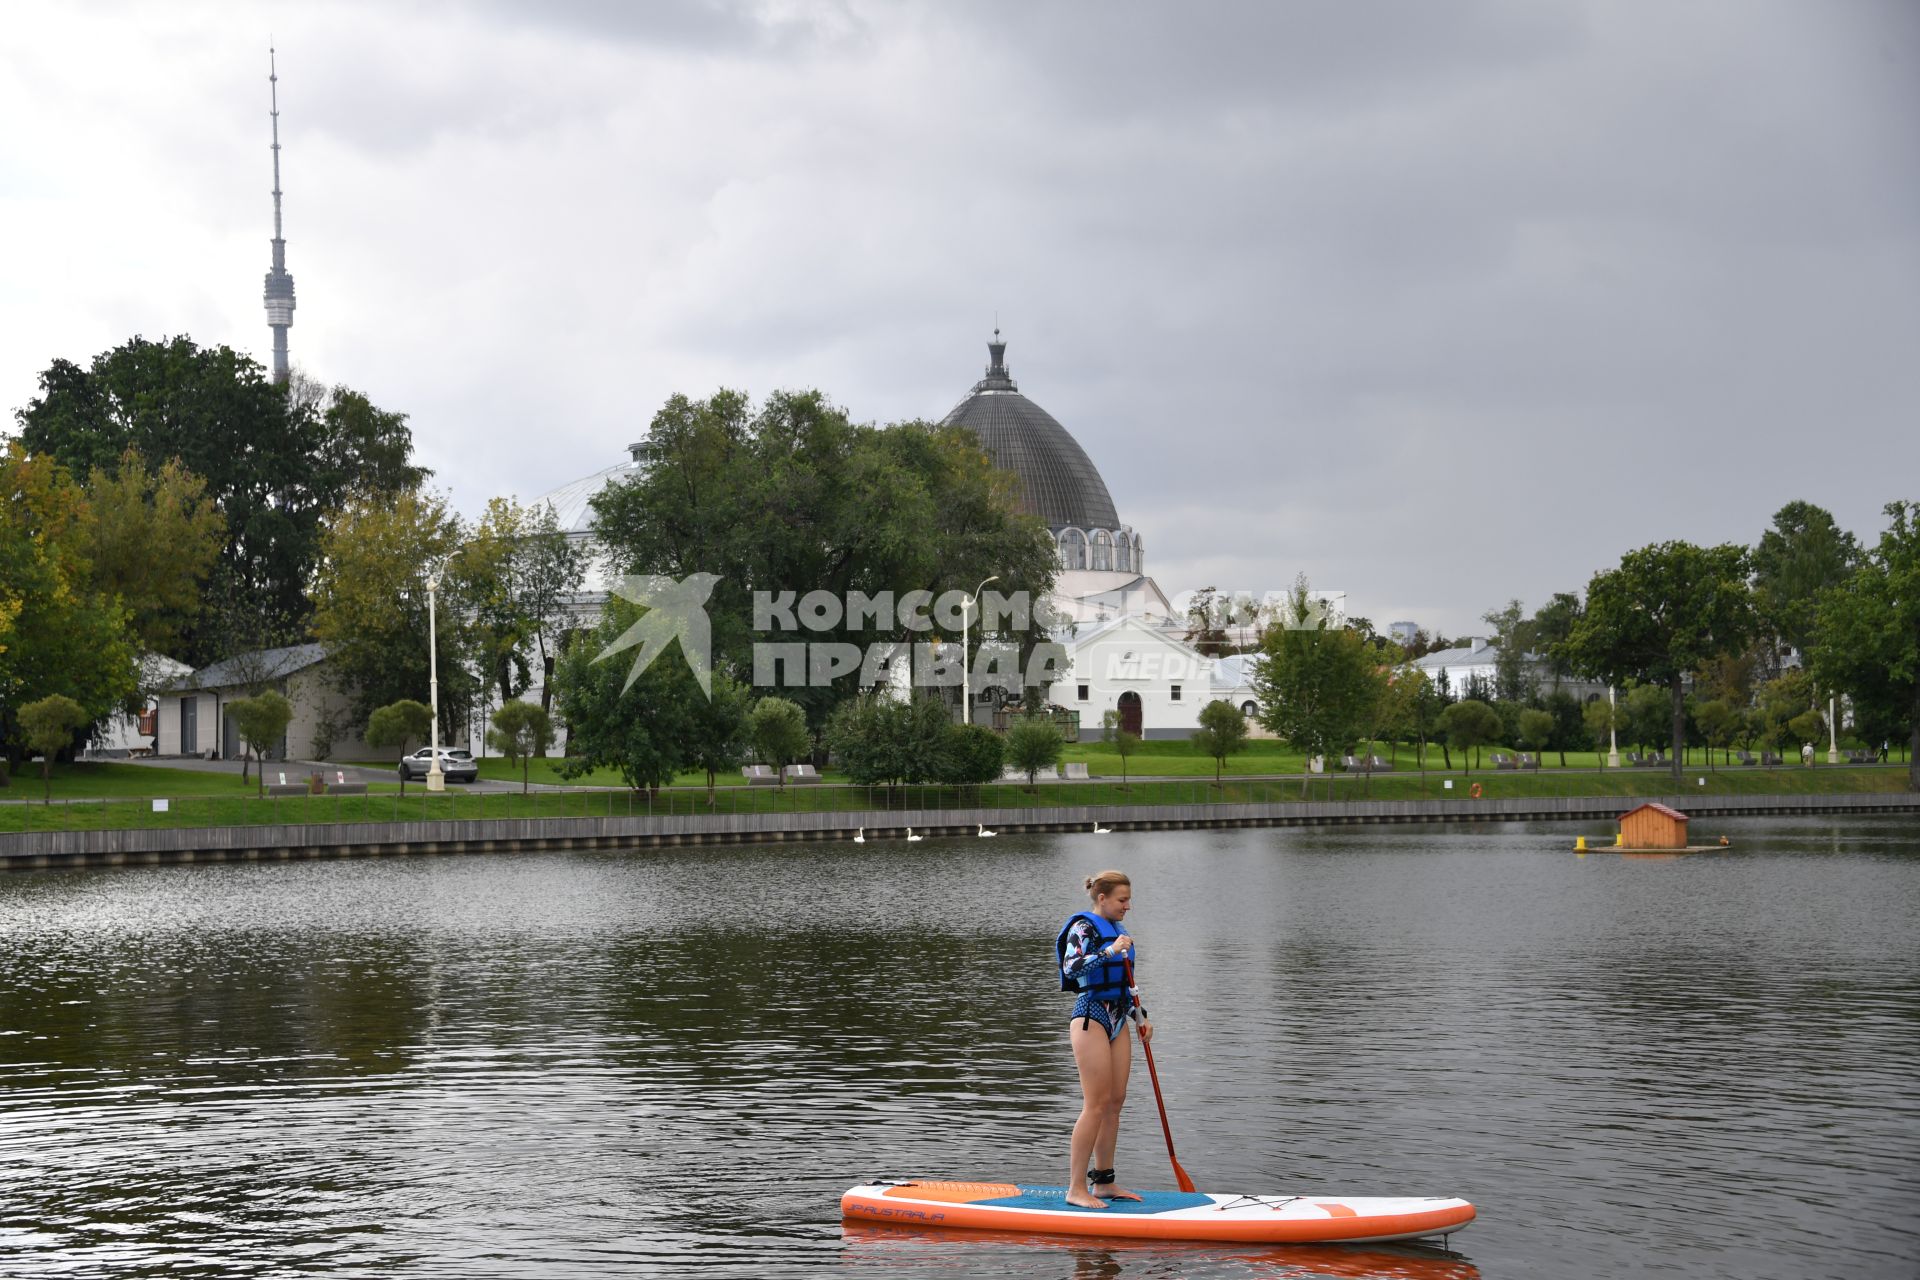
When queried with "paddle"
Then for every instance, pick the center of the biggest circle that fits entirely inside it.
(1179, 1174)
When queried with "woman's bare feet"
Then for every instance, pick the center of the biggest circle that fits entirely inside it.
(1084, 1200)
(1114, 1191)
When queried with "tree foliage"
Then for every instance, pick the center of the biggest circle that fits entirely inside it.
(1667, 609)
(1870, 632)
(1222, 732)
(648, 731)
(1033, 743)
(1317, 684)
(153, 541)
(48, 726)
(399, 724)
(1804, 554)
(795, 497)
(261, 721)
(520, 731)
(370, 602)
(777, 728)
(520, 571)
(1469, 725)
(58, 633)
(974, 755)
(273, 466)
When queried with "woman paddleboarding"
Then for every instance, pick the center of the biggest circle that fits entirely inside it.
(1094, 954)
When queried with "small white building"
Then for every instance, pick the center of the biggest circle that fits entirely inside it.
(193, 719)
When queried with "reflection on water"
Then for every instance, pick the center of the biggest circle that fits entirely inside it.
(599, 1064)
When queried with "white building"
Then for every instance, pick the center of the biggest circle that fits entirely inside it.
(194, 720)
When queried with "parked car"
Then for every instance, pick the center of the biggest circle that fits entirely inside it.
(456, 764)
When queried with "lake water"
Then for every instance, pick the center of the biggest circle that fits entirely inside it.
(601, 1064)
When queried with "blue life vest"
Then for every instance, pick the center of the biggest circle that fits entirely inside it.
(1107, 980)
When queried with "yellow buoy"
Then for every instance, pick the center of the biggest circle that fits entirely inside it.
(1619, 839)
(1580, 845)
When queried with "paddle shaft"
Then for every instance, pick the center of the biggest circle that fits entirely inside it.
(1179, 1174)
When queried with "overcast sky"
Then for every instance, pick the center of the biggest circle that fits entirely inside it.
(1439, 303)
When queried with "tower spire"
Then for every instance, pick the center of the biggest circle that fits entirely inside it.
(279, 293)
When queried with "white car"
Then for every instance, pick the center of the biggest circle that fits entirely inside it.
(456, 764)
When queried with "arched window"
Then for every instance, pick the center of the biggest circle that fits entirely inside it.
(1073, 549)
(1139, 555)
(1123, 553)
(1102, 550)
(1248, 710)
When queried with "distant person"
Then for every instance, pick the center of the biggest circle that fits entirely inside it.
(1093, 952)
(1806, 754)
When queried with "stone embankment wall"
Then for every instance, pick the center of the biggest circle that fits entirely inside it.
(43, 849)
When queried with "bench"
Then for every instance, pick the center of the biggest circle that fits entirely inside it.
(1529, 761)
(1501, 760)
(287, 789)
(1077, 773)
(802, 773)
(759, 775)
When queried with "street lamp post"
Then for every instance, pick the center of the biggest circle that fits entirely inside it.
(966, 673)
(1613, 742)
(436, 780)
(1833, 730)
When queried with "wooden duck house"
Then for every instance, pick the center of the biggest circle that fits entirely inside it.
(1653, 826)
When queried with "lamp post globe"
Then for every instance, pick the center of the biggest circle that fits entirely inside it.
(966, 667)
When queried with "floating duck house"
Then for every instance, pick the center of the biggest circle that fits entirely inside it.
(1653, 826)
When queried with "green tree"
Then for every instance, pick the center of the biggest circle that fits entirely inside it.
(777, 728)
(1870, 633)
(1664, 611)
(1513, 636)
(868, 736)
(1424, 704)
(1033, 743)
(49, 725)
(1124, 744)
(1644, 711)
(1222, 732)
(521, 730)
(1317, 686)
(1551, 627)
(1603, 720)
(153, 541)
(1779, 703)
(1469, 725)
(271, 465)
(262, 721)
(1207, 617)
(641, 728)
(399, 724)
(370, 602)
(717, 735)
(1568, 732)
(520, 571)
(1534, 730)
(58, 634)
(1719, 720)
(974, 755)
(793, 496)
(1804, 554)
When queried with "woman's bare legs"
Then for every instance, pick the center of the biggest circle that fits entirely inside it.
(1103, 1069)
(1121, 1053)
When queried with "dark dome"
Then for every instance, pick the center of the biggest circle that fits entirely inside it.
(1058, 482)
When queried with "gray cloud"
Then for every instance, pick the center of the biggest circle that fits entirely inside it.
(1440, 303)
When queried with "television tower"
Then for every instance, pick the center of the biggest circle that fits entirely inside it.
(279, 283)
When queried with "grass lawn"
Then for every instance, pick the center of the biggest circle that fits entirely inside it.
(237, 808)
(93, 779)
